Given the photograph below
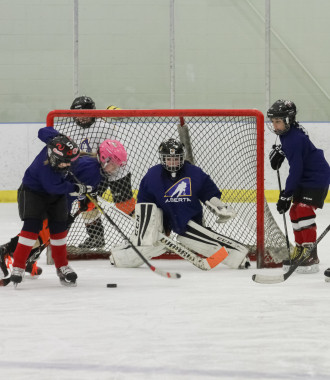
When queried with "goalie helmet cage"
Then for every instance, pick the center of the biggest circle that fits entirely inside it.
(227, 144)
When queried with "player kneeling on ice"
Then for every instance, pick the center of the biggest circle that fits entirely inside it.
(169, 199)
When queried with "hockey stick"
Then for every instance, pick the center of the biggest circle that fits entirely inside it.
(154, 269)
(199, 262)
(284, 218)
(4, 281)
(283, 277)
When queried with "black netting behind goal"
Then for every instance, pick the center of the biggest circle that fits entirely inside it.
(224, 146)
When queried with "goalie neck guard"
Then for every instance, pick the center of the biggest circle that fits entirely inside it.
(172, 155)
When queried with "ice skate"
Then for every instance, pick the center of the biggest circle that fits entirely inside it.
(67, 276)
(3, 265)
(33, 269)
(17, 276)
(310, 265)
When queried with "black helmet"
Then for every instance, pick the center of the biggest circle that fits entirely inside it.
(172, 149)
(285, 110)
(83, 103)
(61, 149)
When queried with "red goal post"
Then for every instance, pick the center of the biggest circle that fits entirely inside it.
(227, 144)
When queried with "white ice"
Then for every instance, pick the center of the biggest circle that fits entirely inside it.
(206, 325)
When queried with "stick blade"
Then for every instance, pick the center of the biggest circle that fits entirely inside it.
(260, 279)
(165, 274)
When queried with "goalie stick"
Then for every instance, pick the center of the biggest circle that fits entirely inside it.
(283, 277)
(199, 262)
(154, 269)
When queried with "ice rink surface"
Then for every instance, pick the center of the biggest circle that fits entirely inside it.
(206, 325)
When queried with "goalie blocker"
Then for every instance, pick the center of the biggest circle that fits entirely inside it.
(200, 240)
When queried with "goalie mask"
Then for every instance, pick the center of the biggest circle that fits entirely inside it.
(111, 155)
(172, 154)
(62, 149)
(286, 111)
(83, 103)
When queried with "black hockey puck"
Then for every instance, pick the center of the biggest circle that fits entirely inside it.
(111, 285)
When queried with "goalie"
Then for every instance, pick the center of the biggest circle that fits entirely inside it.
(169, 199)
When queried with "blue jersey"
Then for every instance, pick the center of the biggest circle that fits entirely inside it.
(179, 198)
(47, 133)
(42, 177)
(308, 166)
(87, 170)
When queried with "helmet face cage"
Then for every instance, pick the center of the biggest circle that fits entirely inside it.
(172, 155)
(111, 152)
(62, 150)
(83, 103)
(285, 110)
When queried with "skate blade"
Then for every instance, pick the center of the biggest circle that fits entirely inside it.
(68, 284)
(304, 270)
(309, 269)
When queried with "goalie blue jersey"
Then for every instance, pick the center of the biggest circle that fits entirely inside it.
(308, 166)
(179, 198)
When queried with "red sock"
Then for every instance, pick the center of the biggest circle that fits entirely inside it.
(26, 241)
(303, 223)
(58, 245)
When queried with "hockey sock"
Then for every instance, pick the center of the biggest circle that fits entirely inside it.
(25, 243)
(303, 223)
(59, 253)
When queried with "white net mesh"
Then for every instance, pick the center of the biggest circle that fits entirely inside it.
(225, 147)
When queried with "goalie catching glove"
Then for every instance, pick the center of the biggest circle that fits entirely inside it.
(221, 210)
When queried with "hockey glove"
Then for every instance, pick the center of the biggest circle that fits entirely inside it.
(85, 204)
(221, 210)
(81, 189)
(276, 157)
(284, 202)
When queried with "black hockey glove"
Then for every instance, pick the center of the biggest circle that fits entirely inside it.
(276, 157)
(284, 202)
(86, 204)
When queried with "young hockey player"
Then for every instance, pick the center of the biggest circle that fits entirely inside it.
(91, 170)
(307, 183)
(43, 193)
(176, 189)
(88, 133)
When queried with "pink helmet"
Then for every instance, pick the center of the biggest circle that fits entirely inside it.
(112, 150)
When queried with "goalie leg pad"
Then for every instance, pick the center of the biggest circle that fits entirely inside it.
(206, 242)
(124, 255)
(148, 222)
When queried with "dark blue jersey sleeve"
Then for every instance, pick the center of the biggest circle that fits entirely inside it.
(47, 133)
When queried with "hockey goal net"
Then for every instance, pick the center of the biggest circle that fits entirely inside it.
(226, 144)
